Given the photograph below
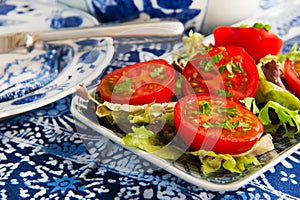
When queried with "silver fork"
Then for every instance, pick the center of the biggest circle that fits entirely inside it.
(162, 28)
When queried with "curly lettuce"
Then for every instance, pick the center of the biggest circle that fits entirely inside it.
(136, 114)
(143, 139)
(274, 115)
(279, 108)
(212, 162)
(192, 44)
(146, 140)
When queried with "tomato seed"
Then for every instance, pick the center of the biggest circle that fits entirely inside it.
(297, 68)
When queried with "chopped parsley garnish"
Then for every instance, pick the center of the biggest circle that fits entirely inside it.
(208, 64)
(204, 109)
(124, 85)
(217, 58)
(230, 111)
(226, 124)
(231, 68)
(228, 84)
(156, 72)
(223, 93)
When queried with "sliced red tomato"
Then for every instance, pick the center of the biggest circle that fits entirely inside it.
(217, 124)
(292, 76)
(140, 83)
(225, 71)
(258, 42)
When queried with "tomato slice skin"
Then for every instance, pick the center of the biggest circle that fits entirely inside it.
(191, 124)
(140, 83)
(291, 73)
(256, 41)
(234, 72)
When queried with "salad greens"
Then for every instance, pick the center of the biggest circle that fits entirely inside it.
(277, 108)
(212, 162)
(268, 91)
(289, 119)
(135, 114)
(145, 139)
(192, 44)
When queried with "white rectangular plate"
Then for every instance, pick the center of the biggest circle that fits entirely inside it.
(284, 21)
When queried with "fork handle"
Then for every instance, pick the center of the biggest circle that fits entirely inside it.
(152, 28)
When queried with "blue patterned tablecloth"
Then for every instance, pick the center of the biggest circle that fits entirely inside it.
(44, 156)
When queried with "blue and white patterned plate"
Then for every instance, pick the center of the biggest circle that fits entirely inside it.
(285, 21)
(35, 15)
(51, 70)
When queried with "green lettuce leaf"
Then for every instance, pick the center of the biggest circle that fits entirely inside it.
(137, 114)
(250, 104)
(268, 91)
(146, 140)
(143, 139)
(289, 119)
(273, 99)
(192, 44)
(212, 162)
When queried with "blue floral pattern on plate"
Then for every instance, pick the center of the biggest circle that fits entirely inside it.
(22, 73)
(29, 15)
(49, 72)
(77, 61)
(5, 9)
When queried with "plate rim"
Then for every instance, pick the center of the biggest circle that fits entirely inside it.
(47, 99)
